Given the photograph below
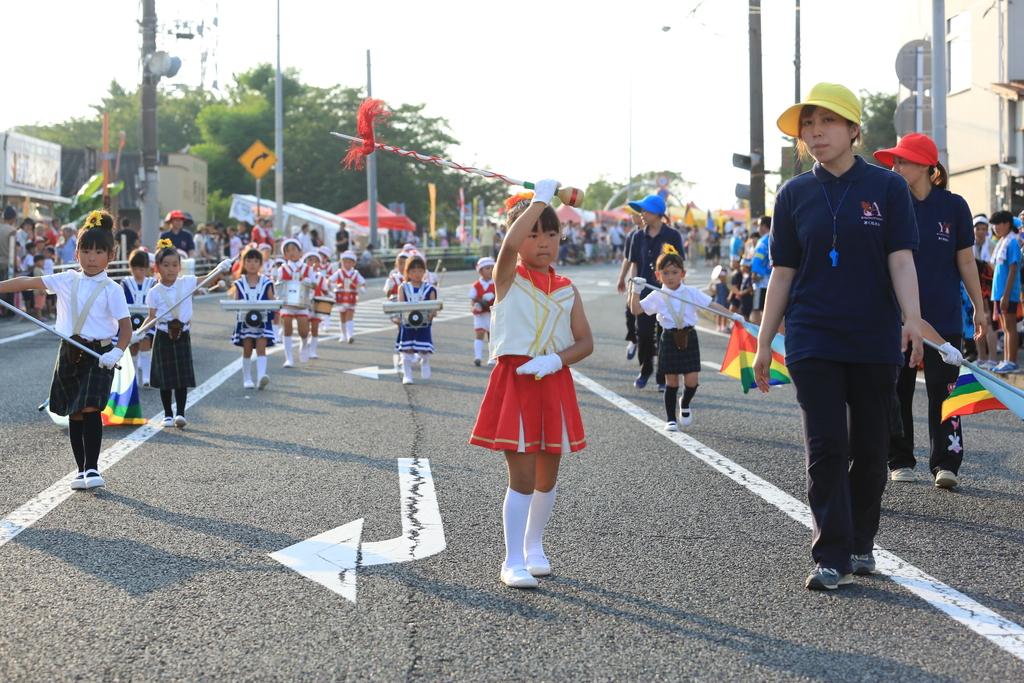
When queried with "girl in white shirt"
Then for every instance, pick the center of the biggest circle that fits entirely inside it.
(91, 309)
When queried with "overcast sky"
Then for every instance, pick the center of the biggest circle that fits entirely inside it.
(532, 88)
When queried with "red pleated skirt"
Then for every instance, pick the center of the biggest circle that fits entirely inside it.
(541, 407)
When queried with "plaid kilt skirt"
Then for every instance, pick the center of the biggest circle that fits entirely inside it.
(672, 361)
(172, 362)
(77, 386)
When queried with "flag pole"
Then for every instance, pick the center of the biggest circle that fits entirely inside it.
(975, 369)
(51, 330)
(143, 328)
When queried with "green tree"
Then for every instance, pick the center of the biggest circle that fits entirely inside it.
(878, 128)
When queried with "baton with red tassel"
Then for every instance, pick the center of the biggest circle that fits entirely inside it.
(371, 110)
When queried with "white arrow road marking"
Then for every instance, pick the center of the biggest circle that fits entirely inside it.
(371, 372)
(332, 558)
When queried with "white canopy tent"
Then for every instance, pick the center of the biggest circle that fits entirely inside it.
(327, 224)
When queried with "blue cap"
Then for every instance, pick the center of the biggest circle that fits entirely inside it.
(1016, 223)
(652, 203)
(9, 213)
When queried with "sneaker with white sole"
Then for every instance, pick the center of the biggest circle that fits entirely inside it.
(902, 474)
(537, 564)
(264, 381)
(288, 364)
(826, 579)
(944, 479)
(630, 350)
(408, 380)
(93, 479)
(168, 421)
(671, 426)
(863, 565)
(78, 483)
(685, 417)
(180, 421)
(518, 577)
(248, 384)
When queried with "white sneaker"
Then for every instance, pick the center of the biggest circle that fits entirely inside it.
(78, 483)
(537, 564)
(671, 426)
(407, 380)
(93, 479)
(342, 339)
(168, 422)
(180, 421)
(902, 474)
(264, 381)
(288, 364)
(944, 479)
(685, 417)
(247, 383)
(518, 577)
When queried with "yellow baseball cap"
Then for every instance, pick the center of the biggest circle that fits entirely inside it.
(831, 96)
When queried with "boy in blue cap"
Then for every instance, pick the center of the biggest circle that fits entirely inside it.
(644, 250)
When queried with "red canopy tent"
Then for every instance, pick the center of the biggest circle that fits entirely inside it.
(386, 218)
(567, 214)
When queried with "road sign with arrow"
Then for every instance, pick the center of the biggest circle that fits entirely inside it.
(258, 159)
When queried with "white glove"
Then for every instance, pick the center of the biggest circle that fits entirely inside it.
(638, 281)
(544, 190)
(225, 266)
(950, 354)
(109, 359)
(541, 366)
(488, 297)
(137, 337)
(738, 317)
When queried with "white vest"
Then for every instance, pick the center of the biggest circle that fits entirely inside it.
(529, 322)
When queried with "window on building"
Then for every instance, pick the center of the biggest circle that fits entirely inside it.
(958, 52)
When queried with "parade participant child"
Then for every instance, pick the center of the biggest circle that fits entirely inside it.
(679, 349)
(415, 340)
(721, 295)
(172, 345)
(136, 286)
(529, 410)
(347, 282)
(1006, 286)
(91, 309)
(294, 270)
(253, 285)
(318, 287)
(391, 285)
(481, 293)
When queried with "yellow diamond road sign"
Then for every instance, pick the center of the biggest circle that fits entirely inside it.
(258, 159)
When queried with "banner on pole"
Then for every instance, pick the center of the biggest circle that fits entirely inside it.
(432, 192)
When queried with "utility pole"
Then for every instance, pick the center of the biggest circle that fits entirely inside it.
(939, 85)
(756, 115)
(150, 188)
(796, 79)
(279, 135)
(371, 170)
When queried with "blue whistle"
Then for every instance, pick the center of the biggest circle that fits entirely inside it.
(834, 255)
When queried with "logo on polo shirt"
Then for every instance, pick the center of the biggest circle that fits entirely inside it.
(945, 231)
(870, 214)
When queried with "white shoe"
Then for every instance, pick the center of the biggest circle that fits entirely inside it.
(902, 474)
(342, 339)
(264, 381)
(78, 483)
(304, 354)
(407, 380)
(538, 565)
(944, 479)
(671, 426)
(685, 417)
(288, 364)
(168, 422)
(248, 384)
(93, 479)
(180, 421)
(518, 577)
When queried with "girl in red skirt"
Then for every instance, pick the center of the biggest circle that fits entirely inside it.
(529, 411)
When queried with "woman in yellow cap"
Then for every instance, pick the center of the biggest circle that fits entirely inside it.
(843, 237)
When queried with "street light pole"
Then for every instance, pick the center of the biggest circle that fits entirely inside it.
(939, 85)
(756, 114)
(279, 134)
(150, 224)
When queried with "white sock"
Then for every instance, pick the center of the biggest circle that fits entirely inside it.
(247, 369)
(425, 366)
(145, 360)
(343, 330)
(407, 365)
(478, 349)
(540, 512)
(351, 325)
(514, 515)
(397, 358)
(312, 344)
(288, 349)
(261, 366)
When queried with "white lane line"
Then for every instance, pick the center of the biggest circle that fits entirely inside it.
(18, 337)
(1004, 633)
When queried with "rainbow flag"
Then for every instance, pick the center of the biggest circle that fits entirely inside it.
(739, 357)
(976, 392)
(123, 406)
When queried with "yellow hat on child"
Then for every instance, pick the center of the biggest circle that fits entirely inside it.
(831, 96)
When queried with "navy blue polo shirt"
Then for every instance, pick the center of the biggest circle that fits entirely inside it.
(846, 313)
(945, 226)
(644, 250)
(181, 240)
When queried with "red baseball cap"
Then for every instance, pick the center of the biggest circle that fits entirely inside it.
(916, 148)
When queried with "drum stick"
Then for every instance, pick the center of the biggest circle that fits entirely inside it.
(51, 330)
(142, 328)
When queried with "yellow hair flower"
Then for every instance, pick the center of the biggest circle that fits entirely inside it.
(94, 219)
(164, 244)
(669, 249)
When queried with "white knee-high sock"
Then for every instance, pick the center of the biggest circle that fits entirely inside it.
(351, 326)
(540, 512)
(478, 349)
(312, 344)
(261, 366)
(343, 330)
(288, 349)
(145, 360)
(514, 515)
(407, 365)
(247, 369)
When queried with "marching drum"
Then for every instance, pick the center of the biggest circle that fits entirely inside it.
(295, 294)
(415, 313)
(253, 312)
(138, 314)
(323, 305)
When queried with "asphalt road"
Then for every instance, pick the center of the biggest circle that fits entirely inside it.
(665, 568)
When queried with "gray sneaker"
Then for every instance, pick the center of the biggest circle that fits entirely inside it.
(826, 579)
(863, 565)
